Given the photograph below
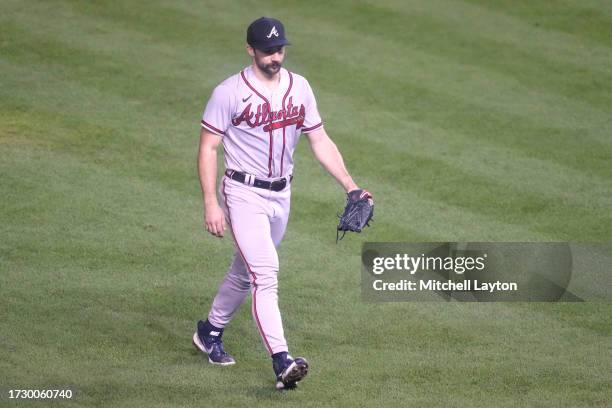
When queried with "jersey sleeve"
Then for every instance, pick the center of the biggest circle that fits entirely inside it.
(217, 114)
(312, 119)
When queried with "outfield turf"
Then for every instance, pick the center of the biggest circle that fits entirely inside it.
(468, 120)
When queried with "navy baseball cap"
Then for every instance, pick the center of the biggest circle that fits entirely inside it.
(266, 32)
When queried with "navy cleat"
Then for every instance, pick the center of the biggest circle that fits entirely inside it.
(210, 343)
(289, 371)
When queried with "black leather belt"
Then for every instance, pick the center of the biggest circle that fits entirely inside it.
(249, 180)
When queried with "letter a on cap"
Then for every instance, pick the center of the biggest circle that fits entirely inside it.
(273, 32)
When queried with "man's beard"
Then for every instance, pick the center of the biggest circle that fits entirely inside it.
(269, 69)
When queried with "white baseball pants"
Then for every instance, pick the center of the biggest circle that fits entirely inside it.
(257, 219)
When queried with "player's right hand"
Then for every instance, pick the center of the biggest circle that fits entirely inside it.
(214, 220)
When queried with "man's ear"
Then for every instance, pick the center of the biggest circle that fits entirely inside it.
(250, 50)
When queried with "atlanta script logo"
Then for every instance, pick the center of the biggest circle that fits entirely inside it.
(291, 115)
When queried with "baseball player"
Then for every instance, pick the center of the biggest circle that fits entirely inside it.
(257, 115)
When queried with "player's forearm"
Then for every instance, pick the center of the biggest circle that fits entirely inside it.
(327, 153)
(207, 168)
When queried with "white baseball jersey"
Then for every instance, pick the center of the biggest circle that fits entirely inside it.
(260, 128)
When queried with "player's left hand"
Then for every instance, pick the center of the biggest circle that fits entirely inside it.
(358, 212)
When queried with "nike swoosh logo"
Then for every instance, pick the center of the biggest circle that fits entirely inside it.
(197, 340)
(247, 98)
(208, 350)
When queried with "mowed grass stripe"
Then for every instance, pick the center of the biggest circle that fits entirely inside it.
(98, 200)
(107, 42)
(563, 145)
(399, 317)
(487, 159)
(94, 218)
(589, 19)
(443, 24)
(570, 126)
(436, 179)
(436, 88)
(478, 155)
(154, 126)
(413, 216)
(414, 349)
(171, 43)
(158, 98)
(150, 153)
(453, 63)
(423, 173)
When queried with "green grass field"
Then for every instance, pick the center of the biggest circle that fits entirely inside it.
(468, 120)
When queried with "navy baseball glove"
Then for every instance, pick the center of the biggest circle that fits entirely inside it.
(357, 213)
